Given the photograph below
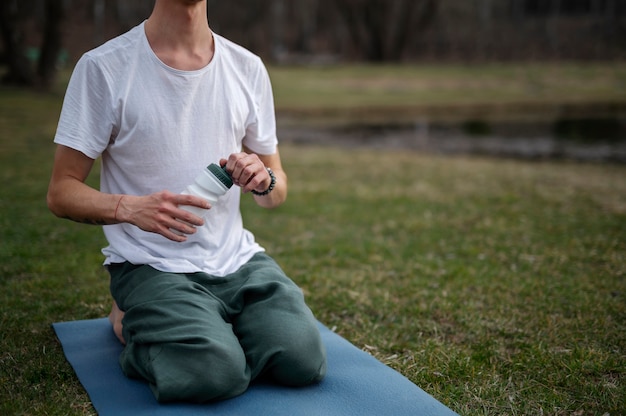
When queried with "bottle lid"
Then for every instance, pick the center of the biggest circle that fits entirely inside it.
(221, 174)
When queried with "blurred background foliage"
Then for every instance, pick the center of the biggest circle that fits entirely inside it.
(40, 35)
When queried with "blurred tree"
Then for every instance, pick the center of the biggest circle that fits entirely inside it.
(326, 31)
(278, 26)
(381, 29)
(52, 43)
(20, 72)
(13, 13)
(99, 15)
(306, 14)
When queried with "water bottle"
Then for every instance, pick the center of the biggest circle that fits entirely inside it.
(210, 184)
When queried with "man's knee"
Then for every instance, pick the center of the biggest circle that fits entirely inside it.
(199, 376)
(301, 371)
(300, 364)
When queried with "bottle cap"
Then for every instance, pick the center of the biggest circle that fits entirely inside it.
(221, 174)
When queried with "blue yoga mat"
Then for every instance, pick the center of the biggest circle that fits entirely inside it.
(356, 384)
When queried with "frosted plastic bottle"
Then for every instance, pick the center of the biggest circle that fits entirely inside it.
(210, 184)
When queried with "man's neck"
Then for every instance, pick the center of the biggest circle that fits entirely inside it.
(179, 34)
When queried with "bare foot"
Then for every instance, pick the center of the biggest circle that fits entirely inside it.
(115, 317)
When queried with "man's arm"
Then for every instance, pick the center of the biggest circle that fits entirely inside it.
(278, 195)
(248, 170)
(69, 197)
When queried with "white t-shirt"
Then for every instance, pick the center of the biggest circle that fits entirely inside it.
(156, 128)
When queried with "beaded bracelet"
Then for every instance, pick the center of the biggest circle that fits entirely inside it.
(272, 184)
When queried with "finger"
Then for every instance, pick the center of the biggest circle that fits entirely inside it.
(175, 229)
(189, 215)
(232, 161)
(184, 227)
(192, 200)
(249, 173)
(173, 234)
(257, 181)
(235, 167)
(246, 169)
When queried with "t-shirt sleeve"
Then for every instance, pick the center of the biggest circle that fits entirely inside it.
(261, 128)
(86, 118)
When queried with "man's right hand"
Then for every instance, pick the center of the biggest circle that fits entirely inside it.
(161, 213)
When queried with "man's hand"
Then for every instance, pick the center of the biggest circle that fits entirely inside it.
(160, 213)
(247, 171)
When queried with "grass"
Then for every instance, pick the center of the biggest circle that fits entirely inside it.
(498, 286)
(352, 86)
(404, 93)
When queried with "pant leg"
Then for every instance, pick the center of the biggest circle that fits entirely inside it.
(276, 329)
(178, 337)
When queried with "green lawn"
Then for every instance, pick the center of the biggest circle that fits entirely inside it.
(404, 93)
(498, 286)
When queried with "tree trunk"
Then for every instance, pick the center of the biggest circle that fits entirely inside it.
(99, 8)
(484, 22)
(381, 30)
(552, 22)
(20, 69)
(47, 65)
(278, 30)
(307, 14)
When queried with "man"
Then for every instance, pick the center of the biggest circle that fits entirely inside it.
(202, 309)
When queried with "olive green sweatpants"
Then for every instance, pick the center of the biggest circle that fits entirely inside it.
(197, 337)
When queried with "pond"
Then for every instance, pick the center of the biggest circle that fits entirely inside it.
(587, 139)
